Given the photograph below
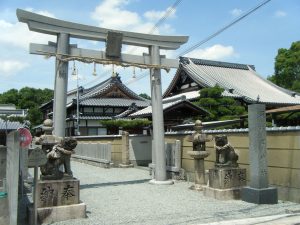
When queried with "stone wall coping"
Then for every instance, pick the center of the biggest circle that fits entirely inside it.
(240, 130)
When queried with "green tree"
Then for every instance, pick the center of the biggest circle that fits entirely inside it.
(10, 97)
(28, 98)
(220, 108)
(144, 95)
(287, 68)
(127, 124)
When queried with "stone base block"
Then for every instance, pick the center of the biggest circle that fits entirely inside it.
(57, 192)
(222, 194)
(260, 196)
(227, 178)
(161, 182)
(197, 187)
(49, 215)
(126, 165)
(173, 173)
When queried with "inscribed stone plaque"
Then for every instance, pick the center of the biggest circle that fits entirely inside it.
(227, 178)
(57, 192)
(36, 157)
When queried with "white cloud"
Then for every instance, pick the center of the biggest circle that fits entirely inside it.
(9, 67)
(280, 13)
(236, 12)
(215, 52)
(41, 12)
(4, 24)
(156, 15)
(112, 14)
(18, 35)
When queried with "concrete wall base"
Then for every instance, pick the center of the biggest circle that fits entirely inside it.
(222, 194)
(260, 196)
(50, 215)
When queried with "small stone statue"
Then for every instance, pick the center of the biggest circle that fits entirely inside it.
(59, 157)
(198, 138)
(47, 140)
(225, 154)
(199, 153)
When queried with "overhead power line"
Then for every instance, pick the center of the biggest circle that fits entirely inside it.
(197, 45)
(169, 12)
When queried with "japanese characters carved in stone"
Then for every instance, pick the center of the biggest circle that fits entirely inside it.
(225, 154)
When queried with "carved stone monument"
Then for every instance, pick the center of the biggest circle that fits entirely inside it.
(199, 153)
(258, 191)
(226, 179)
(57, 196)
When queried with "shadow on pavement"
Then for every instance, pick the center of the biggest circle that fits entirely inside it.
(83, 186)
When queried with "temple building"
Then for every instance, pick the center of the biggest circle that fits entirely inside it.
(239, 81)
(111, 99)
(176, 111)
(107, 100)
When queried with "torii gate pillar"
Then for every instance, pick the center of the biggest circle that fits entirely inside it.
(61, 86)
(158, 120)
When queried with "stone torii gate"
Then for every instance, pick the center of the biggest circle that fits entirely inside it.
(64, 52)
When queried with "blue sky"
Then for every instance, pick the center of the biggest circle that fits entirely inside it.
(255, 40)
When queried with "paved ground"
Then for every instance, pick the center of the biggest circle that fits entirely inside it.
(124, 196)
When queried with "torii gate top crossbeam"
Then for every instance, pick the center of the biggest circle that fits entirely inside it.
(48, 25)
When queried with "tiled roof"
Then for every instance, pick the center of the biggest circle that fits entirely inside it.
(237, 79)
(95, 117)
(192, 95)
(148, 111)
(121, 102)
(10, 125)
(105, 85)
(124, 114)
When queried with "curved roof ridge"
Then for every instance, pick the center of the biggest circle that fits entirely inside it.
(104, 85)
(216, 63)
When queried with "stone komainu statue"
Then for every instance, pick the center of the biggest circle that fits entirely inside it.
(58, 157)
(225, 154)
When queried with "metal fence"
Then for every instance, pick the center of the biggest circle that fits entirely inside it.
(100, 153)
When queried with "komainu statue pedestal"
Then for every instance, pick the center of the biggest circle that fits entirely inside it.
(225, 183)
(58, 200)
(226, 179)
